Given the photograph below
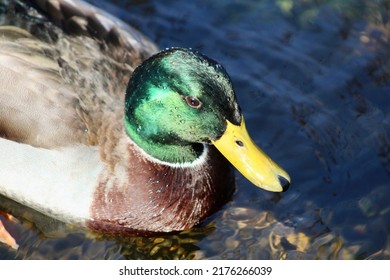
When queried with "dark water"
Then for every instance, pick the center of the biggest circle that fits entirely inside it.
(313, 80)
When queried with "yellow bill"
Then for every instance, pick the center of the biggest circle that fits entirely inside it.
(238, 147)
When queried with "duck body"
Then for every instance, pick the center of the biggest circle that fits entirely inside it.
(135, 195)
(82, 144)
(64, 150)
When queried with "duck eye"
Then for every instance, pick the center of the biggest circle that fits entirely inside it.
(193, 102)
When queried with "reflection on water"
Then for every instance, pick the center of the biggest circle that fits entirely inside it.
(313, 79)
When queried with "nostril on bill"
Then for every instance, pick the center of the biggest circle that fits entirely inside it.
(240, 143)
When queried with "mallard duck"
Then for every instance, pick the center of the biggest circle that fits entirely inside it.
(100, 130)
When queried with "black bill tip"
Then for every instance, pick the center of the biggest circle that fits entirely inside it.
(284, 183)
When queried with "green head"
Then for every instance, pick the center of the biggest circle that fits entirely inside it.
(179, 100)
(176, 101)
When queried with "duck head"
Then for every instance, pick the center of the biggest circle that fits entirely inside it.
(179, 101)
